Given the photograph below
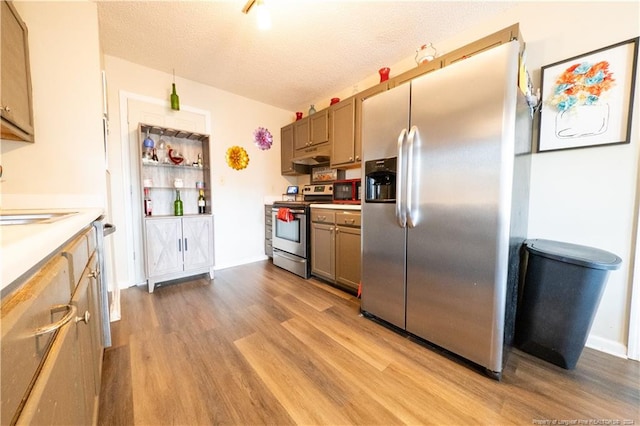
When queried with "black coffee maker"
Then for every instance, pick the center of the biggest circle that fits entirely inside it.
(380, 180)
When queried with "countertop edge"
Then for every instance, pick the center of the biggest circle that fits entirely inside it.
(336, 206)
(25, 246)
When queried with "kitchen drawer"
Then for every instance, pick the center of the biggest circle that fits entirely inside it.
(22, 312)
(322, 216)
(77, 251)
(268, 232)
(348, 219)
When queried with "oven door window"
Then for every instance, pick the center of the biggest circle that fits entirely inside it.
(289, 231)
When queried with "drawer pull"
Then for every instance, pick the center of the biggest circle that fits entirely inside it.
(86, 317)
(94, 273)
(56, 325)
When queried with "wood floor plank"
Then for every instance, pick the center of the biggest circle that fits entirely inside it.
(116, 393)
(407, 403)
(259, 345)
(360, 345)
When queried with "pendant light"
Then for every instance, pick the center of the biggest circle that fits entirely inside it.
(175, 100)
(263, 18)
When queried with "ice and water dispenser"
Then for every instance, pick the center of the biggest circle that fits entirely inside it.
(380, 180)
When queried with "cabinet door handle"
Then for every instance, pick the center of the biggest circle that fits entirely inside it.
(62, 321)
(186, 247)
(94, 274)
(179, 244)
(86, 317)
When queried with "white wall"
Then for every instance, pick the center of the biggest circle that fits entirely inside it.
(65, 165)
(237, 196)
(583, 196)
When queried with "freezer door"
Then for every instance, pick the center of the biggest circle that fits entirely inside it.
(383, 240)
(457, 252)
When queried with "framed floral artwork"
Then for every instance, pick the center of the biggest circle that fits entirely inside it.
(587, 100)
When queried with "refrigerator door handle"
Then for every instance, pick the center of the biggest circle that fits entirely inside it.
(401, 211)
(413, 177)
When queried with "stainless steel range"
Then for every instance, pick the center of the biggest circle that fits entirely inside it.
(292, 229)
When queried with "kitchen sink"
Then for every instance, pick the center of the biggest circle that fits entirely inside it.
(32, 218)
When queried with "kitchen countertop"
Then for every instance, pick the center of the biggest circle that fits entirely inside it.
(336, 206)
(24, 246)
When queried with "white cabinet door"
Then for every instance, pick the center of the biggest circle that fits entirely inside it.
(164, 246)
(197, 233)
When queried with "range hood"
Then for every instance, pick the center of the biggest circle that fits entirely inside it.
(313, 155)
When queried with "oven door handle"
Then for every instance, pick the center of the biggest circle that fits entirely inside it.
(293, 211)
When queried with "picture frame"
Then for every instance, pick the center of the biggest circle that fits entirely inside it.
(587, 100)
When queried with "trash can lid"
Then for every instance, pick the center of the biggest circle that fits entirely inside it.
(572, 253)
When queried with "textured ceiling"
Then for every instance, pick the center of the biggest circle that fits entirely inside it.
(314, 48)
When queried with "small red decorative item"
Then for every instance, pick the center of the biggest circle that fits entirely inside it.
(384, 74)
(298, 115)
(334, 100)
(175, 158)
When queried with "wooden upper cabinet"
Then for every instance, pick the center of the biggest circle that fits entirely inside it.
(342, 134)
(416, 72)
(16, 108)
(319, 127)
(360, 97)
(311, 130)
(493, 40)
(301, 133)
(286, 149)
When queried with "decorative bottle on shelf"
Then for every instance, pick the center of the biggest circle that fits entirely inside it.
(201, 202)
(147, 202)
(312, 110)
(177, 204)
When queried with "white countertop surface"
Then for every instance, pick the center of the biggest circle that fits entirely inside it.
(24, 246)
(336, 206)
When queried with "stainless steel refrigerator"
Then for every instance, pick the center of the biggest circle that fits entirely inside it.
(441, 250)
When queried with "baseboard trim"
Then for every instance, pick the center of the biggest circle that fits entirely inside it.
(218, 267)
(607, 346)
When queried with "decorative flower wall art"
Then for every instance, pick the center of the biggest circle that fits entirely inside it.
(588, 99)
(263, 138)
(237, 158)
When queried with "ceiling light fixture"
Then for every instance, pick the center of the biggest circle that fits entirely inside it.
(263, 17)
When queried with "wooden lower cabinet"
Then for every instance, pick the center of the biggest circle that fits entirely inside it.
(323, 251)
(52, 341)
(58, 395)
(268, 229)
(335, 246)
(348, 256)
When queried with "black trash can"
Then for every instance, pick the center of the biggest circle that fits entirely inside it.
(559, 298)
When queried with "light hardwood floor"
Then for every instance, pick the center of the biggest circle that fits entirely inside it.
(258, 345)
